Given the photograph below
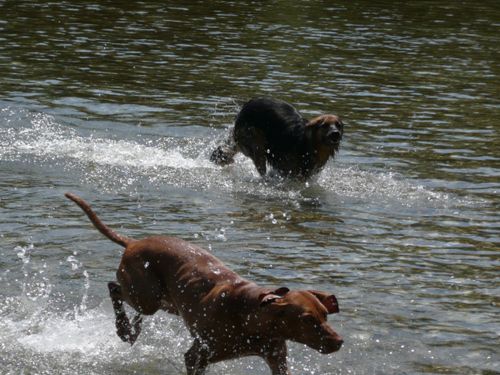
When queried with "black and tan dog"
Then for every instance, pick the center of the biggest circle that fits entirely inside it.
(273, 132)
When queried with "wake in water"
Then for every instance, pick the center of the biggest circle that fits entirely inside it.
(120, 164)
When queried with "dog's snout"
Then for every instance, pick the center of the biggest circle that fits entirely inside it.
(335, 135)
(339, 344)
(333, 345)
(339, 125)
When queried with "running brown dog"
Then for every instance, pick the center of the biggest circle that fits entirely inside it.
(273, 132)
(228, 316)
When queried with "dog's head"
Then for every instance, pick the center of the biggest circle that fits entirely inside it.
(326, 132)
(301, 316)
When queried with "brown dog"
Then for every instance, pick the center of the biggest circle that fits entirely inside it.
(273, 132)
(228, 316)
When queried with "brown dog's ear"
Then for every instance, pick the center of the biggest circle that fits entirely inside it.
(267, 298)
(316, 122)
(328, 300)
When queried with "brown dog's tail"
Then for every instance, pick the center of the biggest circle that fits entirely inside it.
(103, 228)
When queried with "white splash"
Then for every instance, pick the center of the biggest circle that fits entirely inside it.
(119, 164)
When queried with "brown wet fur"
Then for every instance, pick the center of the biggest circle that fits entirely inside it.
(227, 315)
(273, 133)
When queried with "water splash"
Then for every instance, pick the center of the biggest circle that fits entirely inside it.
(43, 329)
(389, 187)
(119, 164)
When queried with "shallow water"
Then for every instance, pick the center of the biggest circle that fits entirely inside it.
(122, 105)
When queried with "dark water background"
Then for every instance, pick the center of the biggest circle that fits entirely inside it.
(122, 102)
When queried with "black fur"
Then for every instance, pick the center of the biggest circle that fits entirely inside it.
(273, 132)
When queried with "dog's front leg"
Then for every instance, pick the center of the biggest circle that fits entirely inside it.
(259, 160)
(196, 358)
(275, 356)
(123, 326)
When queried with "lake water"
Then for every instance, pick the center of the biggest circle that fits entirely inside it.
(122, 104)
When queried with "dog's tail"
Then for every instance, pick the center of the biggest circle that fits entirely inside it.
(224, 153)
(103, 228)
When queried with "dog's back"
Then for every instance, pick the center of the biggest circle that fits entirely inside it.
(275, 118)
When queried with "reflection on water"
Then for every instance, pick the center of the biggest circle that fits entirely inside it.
(122, 103)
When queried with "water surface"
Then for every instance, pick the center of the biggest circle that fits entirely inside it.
(122, 103)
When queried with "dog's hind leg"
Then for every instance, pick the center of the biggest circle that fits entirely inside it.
(260, 161)
(123, 325)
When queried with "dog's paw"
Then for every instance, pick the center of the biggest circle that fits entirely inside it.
(126, 331)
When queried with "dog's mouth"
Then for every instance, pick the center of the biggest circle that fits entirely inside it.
(331, 346)
(334, 145)
(333, 139)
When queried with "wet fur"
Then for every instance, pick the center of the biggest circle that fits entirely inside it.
(272, 132)
(227, 315)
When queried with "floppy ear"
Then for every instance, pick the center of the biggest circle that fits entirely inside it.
(270, 297)
(316, 122)
(328, 300)
(322, 121)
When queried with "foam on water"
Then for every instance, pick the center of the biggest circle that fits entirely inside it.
(87, 339)
(41, 331)
(118, 164)
(85, 333)
(44, 138)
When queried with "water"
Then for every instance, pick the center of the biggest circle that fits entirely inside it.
(122, 103)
